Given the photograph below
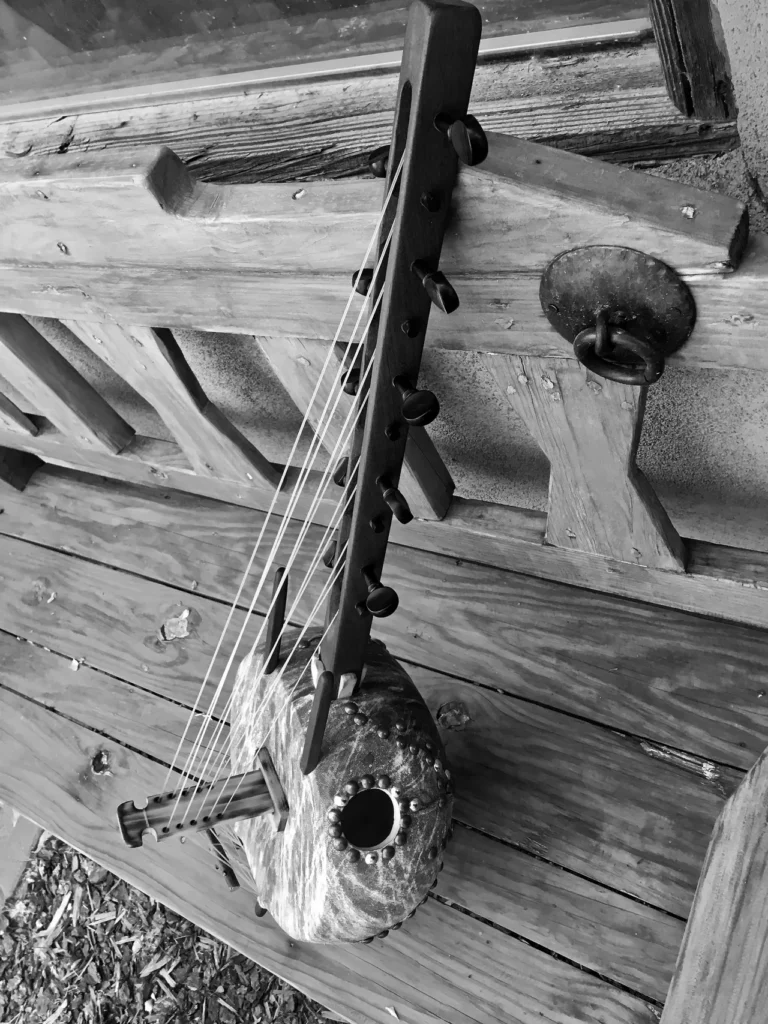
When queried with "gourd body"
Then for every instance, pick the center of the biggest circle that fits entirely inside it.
(366, 830)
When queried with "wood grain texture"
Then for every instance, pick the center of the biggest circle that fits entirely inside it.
(475, 973)
(16, 468)
(13, 418)
(325, 128)
(589, 429)
(154, 365)
(721, 582)
(617, 937)
(625, 829)
(692, 683)
(56, 390)
(298, 363)
(694, 58)
(722, 970)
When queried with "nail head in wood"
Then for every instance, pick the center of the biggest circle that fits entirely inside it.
(419, 407)
(437, 286)
(396, 502)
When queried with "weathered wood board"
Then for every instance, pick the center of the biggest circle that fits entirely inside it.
(611, 934)
(693, 683)
(619, 831)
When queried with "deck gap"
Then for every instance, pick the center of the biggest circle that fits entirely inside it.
(549, 952)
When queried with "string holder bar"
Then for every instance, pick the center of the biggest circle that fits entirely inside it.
(440, 34)
(199, 808)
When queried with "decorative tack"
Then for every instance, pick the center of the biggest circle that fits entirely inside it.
(353, 855)
(341, 799)
(428, 757)
(438, 764)
(428, 745)
(351, 787)
(432, 853)
(447, 774)
(369, 939)
(367, 782)
(384, 934)
(400, 726)
(401, 839)
(394, 927)
(412, 914)
(334, 831)
(402, 743)
(413, 748)
(388, 853)
(350, 708)
(383, 734)
(360, 719)
(340, 843)
(422, 902)
(404, 803)
(372, 857)
(396, 791)
(383, 782)
(414, 805)
(334, 816)
(405, 821)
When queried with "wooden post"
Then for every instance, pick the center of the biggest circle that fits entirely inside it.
(589, 429)
(722, 969)
(694, 58)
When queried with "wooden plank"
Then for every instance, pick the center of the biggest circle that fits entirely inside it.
(325, 128)
(13, 418)
(298, 362)
(703, 685)
(722, 973)
(589, 429)
(441, 966)
(55, 389)
(695, 61)
(626, 829)
(722, 582)
(16, 468)
(154, 365)
(325, 227)
(622, 940)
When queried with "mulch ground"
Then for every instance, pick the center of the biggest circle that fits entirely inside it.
(79, 945)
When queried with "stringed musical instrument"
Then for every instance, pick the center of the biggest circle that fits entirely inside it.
(334, 797)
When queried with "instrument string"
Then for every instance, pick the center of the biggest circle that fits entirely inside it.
(325, 422)
(341, 442)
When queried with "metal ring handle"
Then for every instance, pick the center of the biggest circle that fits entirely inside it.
(590, 347)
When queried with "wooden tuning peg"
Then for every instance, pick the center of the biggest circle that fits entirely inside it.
(361, 280)
(381, 601)
(340, 473)
(395, 500)
(467, 137)
(329, 555)
(276, 620)
(419, 407)
(437, 286)
(378, 162)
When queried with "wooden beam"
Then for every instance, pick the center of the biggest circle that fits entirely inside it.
(55, 389)
(325, 128)
(694, 58)
(722, 582)
(16, 468)
(722, 969)
(13, 418)
(230, 257)
(589, 429)
(152, 362)
(425, 481)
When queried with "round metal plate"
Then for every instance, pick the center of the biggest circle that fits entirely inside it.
(639, 293)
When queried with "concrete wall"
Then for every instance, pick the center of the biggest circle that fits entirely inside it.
(704, 446)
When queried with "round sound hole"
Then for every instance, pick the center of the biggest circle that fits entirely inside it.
(368, 820)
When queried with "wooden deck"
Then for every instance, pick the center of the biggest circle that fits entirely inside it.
(594, 740)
